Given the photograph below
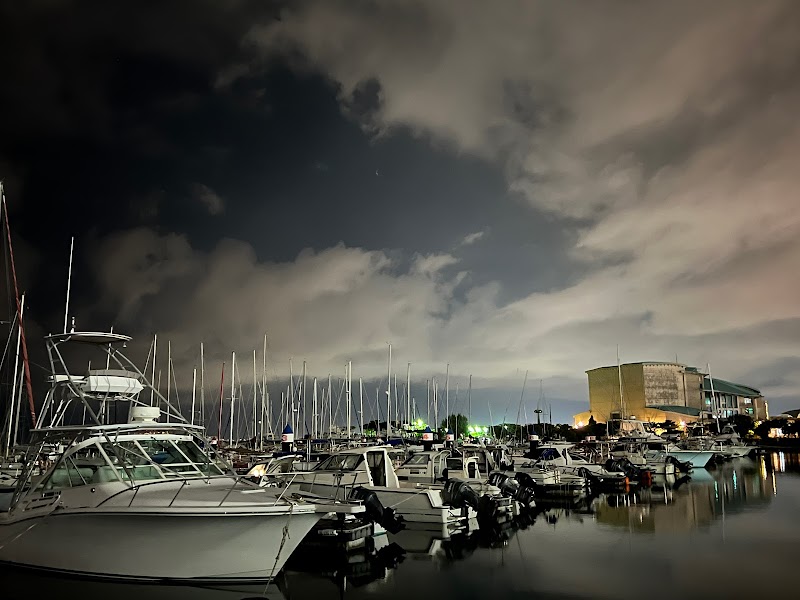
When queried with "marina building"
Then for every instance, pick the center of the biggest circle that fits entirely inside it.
(734, 398)
(661, 391)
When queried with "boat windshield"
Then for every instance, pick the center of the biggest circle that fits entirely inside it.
(416, 459)
(341, 462)
(129, 459)
(545, 454)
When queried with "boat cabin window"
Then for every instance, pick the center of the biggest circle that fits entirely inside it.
(545, 454)
(416, 460)
(340, 462)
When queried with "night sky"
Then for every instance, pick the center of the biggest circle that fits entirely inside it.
(502, 186)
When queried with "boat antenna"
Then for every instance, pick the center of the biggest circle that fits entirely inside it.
(69, 282)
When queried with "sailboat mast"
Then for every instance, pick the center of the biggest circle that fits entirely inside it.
(428, 398)
(264, 414)
(435, 405)
(389, 396)
(447, 398)
(469, 400)
(194, 392)
(13, 398)
(408, 395)
(153, 372)
(69, 282)
(202, 387)
(305, 418)
(20, 322)
(349, 376)
(714, 410)
(221, 400)
(169, 379)
(233, 392)
(314, 411)
(621, 394)
(255, 400)
(330, 407)
(361, 404)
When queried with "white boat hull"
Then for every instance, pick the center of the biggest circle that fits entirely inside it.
(734, 451)
(153, 546)
(421, 506)
(697, 458)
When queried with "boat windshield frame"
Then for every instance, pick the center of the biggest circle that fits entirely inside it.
(417, 459)
(355, 460)
(121, 454)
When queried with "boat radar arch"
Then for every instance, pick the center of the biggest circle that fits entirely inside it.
(144, 414)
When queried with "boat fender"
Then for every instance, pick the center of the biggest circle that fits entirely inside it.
(647, 478)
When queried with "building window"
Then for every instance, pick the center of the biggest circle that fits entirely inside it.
(749, 411)
(748, 401)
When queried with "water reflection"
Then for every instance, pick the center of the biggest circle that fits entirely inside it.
(784, 462)
(684, 505)
(745, 507)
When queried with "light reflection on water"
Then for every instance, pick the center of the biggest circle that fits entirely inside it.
(725, 533)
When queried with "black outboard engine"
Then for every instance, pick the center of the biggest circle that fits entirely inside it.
(631, 471)
(386, 517)
(459, 494)
(683, 467)
(513, 488)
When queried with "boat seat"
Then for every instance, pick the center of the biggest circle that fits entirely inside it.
(63, 478)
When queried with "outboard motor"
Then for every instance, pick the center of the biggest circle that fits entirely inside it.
(513, 488)
(459, 494)
(376, 511)
(683, 467)
(624, 465)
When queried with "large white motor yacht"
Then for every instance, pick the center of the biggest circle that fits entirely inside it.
(142, 499)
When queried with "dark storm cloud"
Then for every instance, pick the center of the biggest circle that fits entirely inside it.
(505, 187)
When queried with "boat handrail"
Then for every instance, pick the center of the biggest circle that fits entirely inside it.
(237, 479)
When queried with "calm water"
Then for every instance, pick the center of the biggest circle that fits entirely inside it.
(728, 533)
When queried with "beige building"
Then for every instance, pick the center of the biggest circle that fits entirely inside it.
(660, 391)
(649, 389)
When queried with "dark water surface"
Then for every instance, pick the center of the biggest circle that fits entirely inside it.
(732, 532)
